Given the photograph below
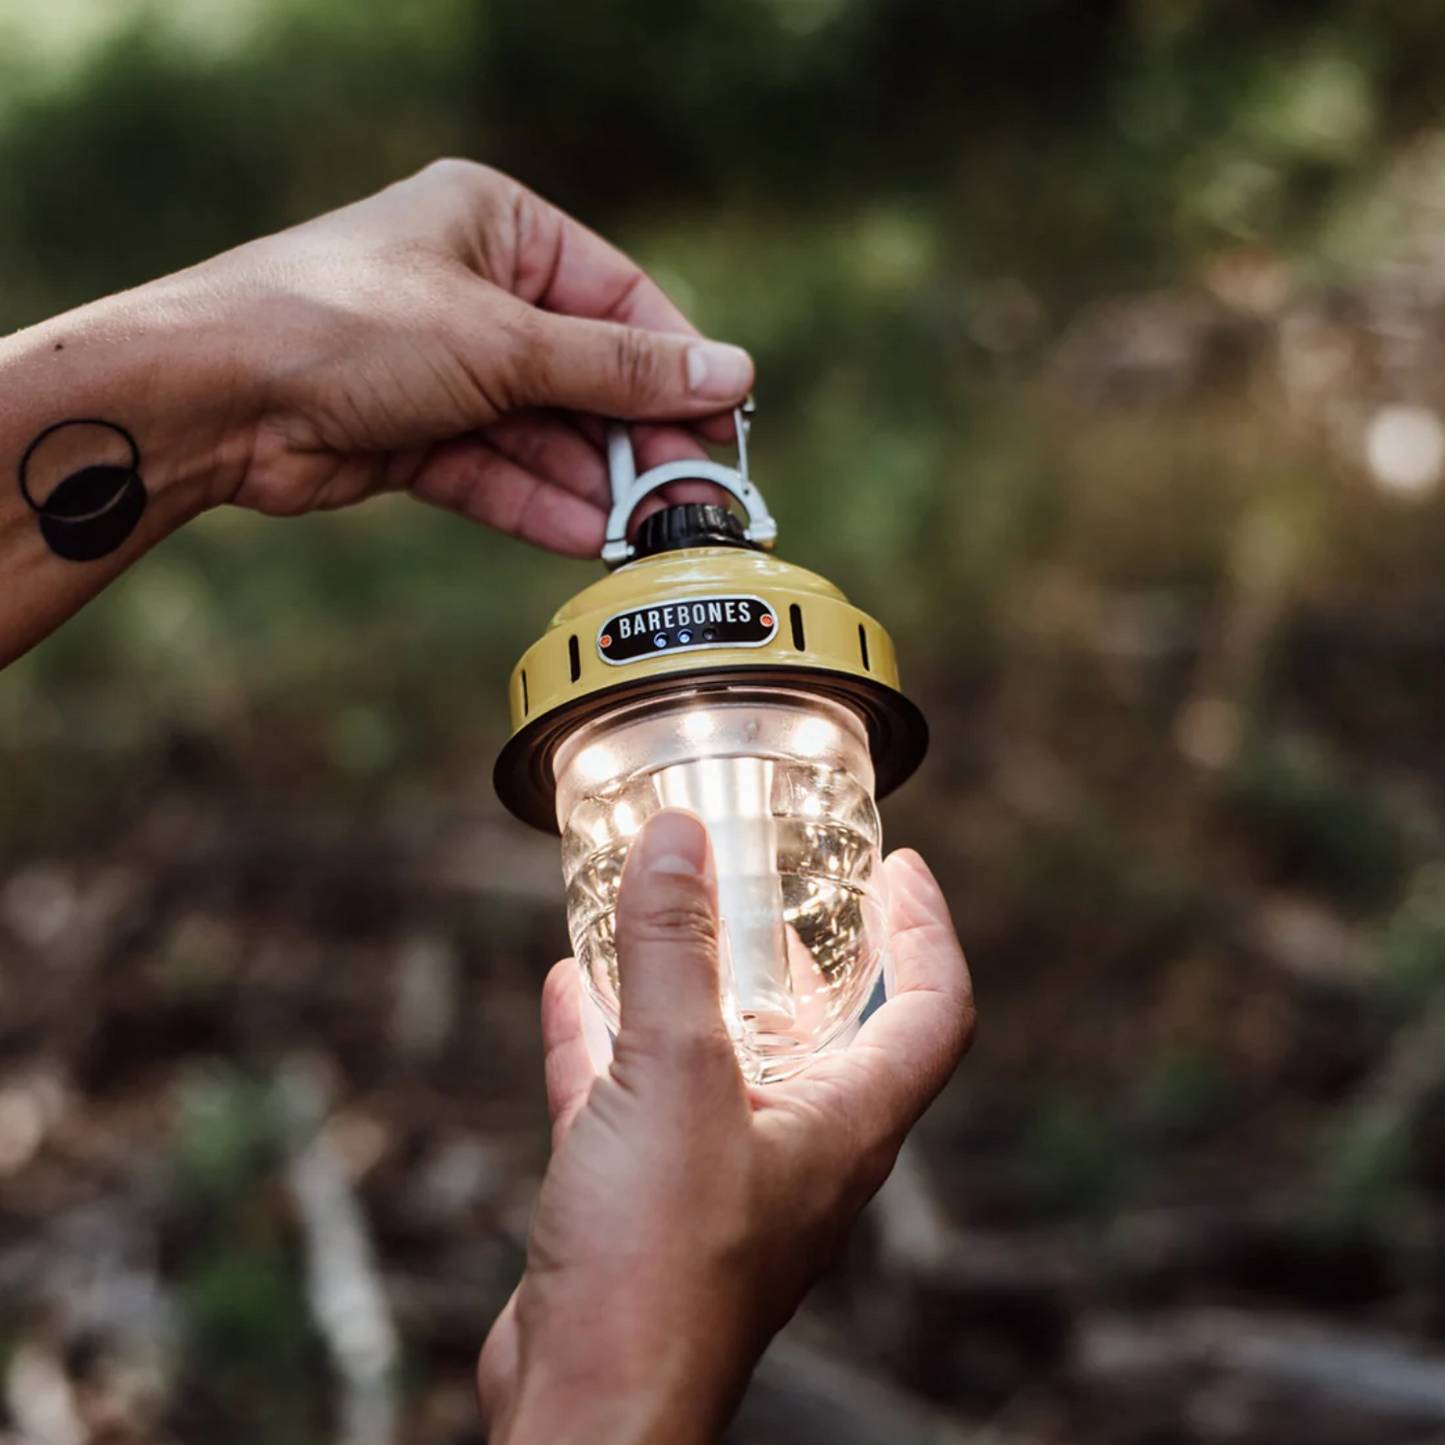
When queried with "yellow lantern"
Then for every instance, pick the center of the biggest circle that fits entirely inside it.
(703, 673)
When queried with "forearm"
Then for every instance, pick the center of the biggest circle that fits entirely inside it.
(151, 367)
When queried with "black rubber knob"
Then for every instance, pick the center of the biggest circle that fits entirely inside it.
(692, 524)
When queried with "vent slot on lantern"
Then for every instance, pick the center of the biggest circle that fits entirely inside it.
(863, 647)
(575, 653)
(800, 641)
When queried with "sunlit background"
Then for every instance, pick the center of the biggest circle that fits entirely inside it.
(1102, 357)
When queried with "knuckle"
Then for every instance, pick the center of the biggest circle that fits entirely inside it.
(636, 362)
(698, 1053)
(714, 1052)
(523, 371)
(450, 171)
(477, 199)
(679, 921)
(526, 209)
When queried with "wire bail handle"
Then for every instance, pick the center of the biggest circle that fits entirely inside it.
(628, 489)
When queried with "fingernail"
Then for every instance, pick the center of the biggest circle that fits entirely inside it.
(674, 843)
(718, 372)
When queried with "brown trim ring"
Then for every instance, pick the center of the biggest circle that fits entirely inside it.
(897, 732)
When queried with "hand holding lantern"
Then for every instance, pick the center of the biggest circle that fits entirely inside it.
(685, 1213)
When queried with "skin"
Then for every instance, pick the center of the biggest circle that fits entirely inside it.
(458, 338)
(685, 1213)
(454, 336)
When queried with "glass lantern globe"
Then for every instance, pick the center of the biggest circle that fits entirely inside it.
(704, 674)
(784, 783)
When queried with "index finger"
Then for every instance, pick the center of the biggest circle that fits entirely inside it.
(909, 1049)
(563, 266)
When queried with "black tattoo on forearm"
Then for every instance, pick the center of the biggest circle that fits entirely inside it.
(91, 506)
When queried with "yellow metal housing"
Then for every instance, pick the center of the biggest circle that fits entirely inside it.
(819, 642)
(829, 627)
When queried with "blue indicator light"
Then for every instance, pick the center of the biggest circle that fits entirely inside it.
(660, 640)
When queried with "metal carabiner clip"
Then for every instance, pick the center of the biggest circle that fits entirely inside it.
(628, 489)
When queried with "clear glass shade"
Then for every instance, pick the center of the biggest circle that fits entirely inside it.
(784, 782)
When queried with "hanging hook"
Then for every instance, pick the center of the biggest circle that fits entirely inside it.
(628, 489)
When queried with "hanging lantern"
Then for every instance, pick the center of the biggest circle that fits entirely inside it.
(705, 674)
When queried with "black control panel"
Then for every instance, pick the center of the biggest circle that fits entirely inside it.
(685, 625)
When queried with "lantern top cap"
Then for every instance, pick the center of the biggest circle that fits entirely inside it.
(629, 490)
(696, 604)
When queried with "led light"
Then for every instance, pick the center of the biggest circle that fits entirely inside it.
(697, 726)
(596, 764)
(813, 737)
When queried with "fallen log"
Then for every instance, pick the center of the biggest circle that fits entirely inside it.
(1360, 1369)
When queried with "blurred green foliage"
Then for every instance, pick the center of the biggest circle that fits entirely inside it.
(1412, 942)
(227, 1135)
(252, 1364)
(1320, 829)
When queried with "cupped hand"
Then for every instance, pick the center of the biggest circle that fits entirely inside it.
(685, 1213)
(455, 336)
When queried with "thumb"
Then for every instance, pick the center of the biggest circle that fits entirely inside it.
(667, 933)
(623, 371)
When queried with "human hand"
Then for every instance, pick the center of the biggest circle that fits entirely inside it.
(454, 336)
(685, 1213)
(442, 337)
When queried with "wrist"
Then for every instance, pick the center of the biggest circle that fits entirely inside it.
(558, 1403)
(621, 1373)
(154, 363)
